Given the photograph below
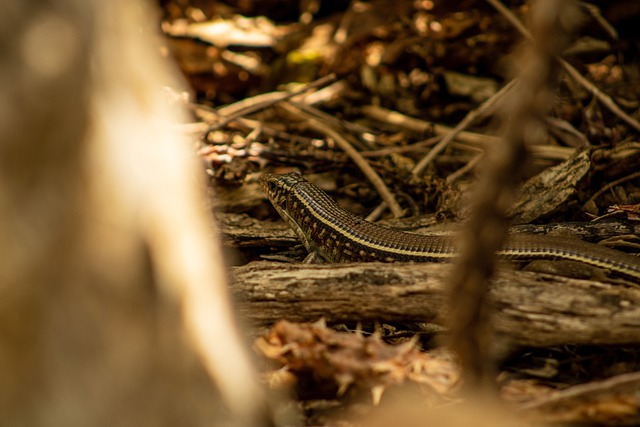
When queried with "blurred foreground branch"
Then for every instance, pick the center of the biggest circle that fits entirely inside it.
(114, 308)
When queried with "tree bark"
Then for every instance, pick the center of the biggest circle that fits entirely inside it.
(529, 309)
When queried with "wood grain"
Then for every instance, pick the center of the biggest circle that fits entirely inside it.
(531, 309)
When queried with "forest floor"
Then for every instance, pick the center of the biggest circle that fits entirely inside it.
(413, 93)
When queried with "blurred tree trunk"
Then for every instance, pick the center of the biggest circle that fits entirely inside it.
(113, 304)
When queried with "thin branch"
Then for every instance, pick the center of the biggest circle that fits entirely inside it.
(606, 100)
(595, 13)
(357, 158)
(582, 392)
(463, 170)
(473, 115)
(422, 126)
(610, 186)
(464, 123)
(260, 102)
(403, 149)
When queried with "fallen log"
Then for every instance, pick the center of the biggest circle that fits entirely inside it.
(529, 309)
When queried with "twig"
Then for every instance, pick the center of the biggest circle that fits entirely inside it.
(357, 158)
(513, 20)
(375, 214)
(421, 126)
(567, 397)
(463, 170)
(208, 115)
(594, 11)
(610, 186)
(448, 137)
(402, 149)
(260, 102)
(330, 119)
(564, 131)
(606, 100)
(469, 118)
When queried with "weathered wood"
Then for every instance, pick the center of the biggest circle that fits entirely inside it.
(530, 309)
(242, 231)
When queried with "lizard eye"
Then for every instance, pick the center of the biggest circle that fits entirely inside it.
(272, 186)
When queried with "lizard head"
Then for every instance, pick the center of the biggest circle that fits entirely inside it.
(278, 187)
